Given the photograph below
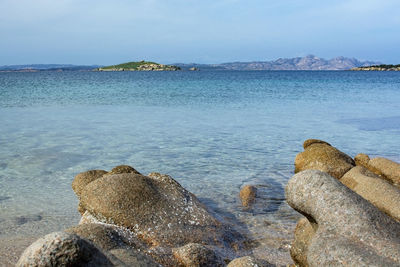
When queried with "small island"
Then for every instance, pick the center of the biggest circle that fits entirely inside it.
(381, 67)
(139, 66)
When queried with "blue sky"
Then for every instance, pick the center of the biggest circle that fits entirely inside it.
(206, 31)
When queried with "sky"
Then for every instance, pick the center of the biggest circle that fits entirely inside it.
(203, 31)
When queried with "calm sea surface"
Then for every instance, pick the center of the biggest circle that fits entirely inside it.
(212, 131)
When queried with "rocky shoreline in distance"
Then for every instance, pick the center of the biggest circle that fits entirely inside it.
(378, 68)
(351, 210)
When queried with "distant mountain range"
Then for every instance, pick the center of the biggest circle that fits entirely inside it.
(310, 62)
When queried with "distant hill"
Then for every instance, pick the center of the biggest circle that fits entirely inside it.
(381, 67)
(47, 67)
(139, 66)
(310, 62)
(298, 63)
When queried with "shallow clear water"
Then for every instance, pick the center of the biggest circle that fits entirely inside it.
(212, 131)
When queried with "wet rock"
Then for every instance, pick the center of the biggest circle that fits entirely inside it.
(349, 229)
(156, 208)
(84, 178)
(248, 261)
(370, 186)
(116, 240)
(248, 195)
(386, 168)
(319, 155)
(196, 255)
(303, 234)
(63, 249)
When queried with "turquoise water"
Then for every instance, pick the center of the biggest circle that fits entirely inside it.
(212, 131)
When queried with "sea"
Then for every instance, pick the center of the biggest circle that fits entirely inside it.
(212, 131)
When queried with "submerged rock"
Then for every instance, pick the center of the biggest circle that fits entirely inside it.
(63, 249)
(370, 186)
(349, 229)
(319, 155)
(383, 167)
(303, 234)
(197, 255)
(248, 195)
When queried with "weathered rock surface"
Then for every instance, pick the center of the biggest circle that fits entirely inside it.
(303, 234)
(248, 261)
(350, 230)
(386, 168)
(156, 208)
(104, 236)
(248, 195)
(131, 258)
(63, 249)
(370, 186)
(196, 255)
(116, 240)
(319, 155)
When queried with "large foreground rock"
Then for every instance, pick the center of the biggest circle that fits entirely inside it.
(386, 168)
(319, 155)
(63, 249)
(157, 209)
(379, 192)
(350, 230)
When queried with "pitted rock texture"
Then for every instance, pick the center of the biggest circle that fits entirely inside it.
(104, 236)
(248, 261)
(370, 186)
(350, 230)
(319, 155)
(63, 249)
(197, 255)
(383, 167)
(156, 208)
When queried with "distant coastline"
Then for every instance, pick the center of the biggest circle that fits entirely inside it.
(139, 66)
(307, 63)
(381, 67)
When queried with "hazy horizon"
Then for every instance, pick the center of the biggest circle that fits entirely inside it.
(104, 33)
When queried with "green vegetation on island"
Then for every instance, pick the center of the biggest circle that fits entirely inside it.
(139, 66)
(382, 67)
